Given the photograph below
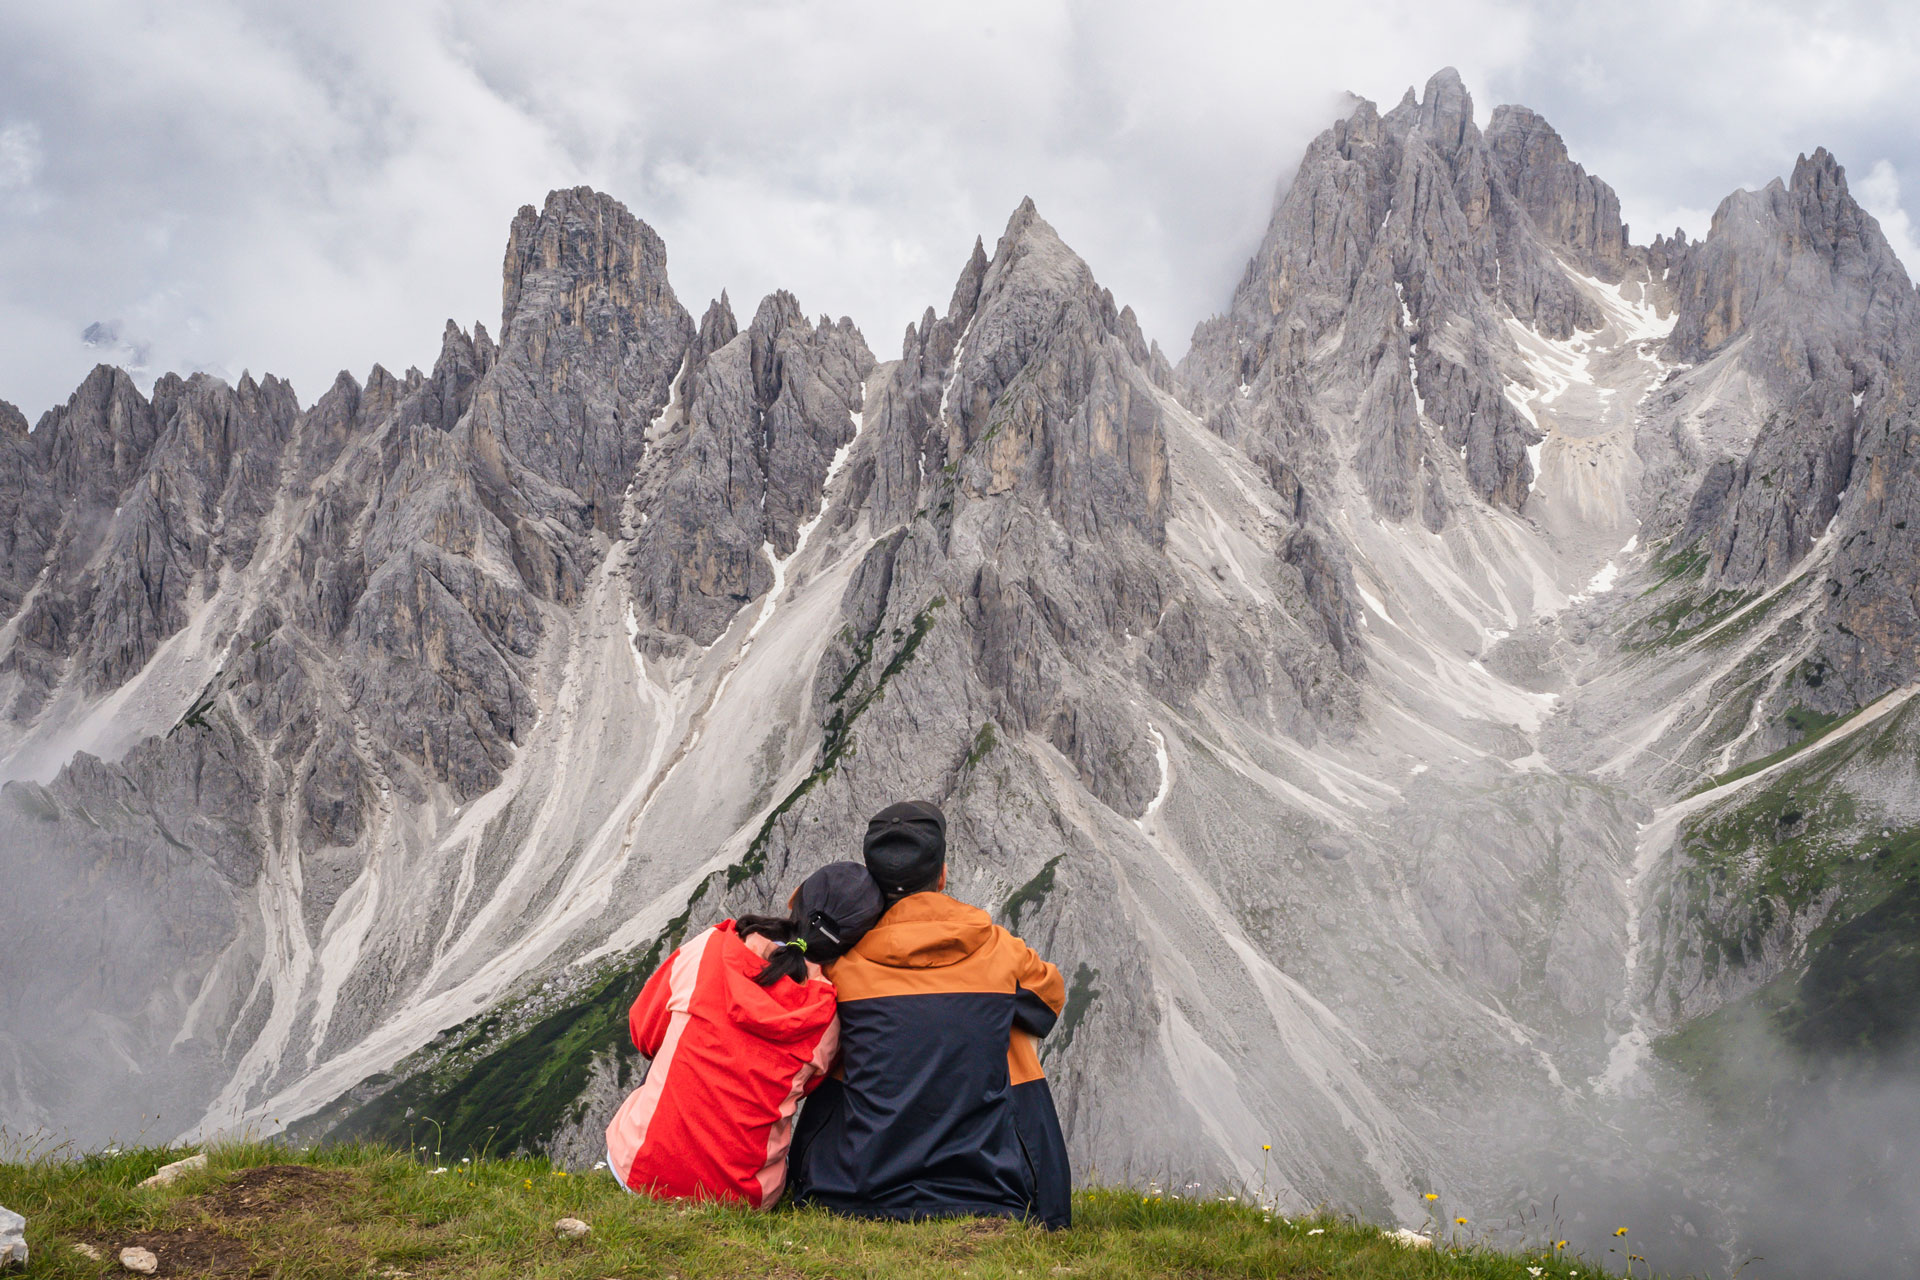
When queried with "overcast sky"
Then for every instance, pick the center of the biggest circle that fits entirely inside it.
(305, 187)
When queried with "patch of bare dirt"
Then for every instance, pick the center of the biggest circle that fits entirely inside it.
(272, 1189)
(187, 1251)
(205, 1248)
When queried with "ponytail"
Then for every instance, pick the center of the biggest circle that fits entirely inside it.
(789, 959)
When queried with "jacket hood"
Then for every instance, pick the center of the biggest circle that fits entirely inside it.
(926, 931)
(782, 1013)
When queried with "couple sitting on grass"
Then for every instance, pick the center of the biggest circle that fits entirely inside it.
(911, 1019)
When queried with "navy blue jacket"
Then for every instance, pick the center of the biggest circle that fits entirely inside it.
(939, 1107)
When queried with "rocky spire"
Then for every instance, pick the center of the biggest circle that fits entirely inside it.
(591, 335)
(1055, 380)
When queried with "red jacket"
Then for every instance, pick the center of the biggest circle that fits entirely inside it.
(731, 1061)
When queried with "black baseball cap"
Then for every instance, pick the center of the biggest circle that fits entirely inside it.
(906, 846)
(835, 906)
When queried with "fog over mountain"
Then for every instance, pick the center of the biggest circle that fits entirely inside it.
(1451, 721)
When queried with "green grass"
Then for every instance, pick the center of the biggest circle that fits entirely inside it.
(1031, 895)
(1797, 840)
(1690, 563)
(1810, 726)
(1686, 617)
(1849, 992)
(371, 1211)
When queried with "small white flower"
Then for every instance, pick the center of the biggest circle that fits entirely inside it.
(1318, 1231)
(441, 1169)
(1533, 1271)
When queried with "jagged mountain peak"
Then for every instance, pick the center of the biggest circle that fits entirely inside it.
(1413, 239)
(717, 328)
(584, 260)
(1801, 254)
(966, 288)
(589, 318)
(1796, 293)
(740, 461)
(1033, 324)
(1031, 256)
(1818, 170)
(1446, 111)
(1572, 209)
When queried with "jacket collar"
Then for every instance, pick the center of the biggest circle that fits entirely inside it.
(926, 931)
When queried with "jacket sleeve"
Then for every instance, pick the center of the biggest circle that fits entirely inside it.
(1040, 993)
(651, 1013)
(826, 1058)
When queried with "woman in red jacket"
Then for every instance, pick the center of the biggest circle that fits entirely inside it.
(740, 1025)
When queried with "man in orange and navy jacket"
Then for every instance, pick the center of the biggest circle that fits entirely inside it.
(939, 1107)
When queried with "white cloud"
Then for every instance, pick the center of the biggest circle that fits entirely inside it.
(248, 185)
(19, 165)
(1879, 195)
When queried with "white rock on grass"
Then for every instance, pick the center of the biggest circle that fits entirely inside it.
(86, 1250)
(571, 1228)
(167, 1174)
(139, 1261)
(13, 1239)
(1410, 1239)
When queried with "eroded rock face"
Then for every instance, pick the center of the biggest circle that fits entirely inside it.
(1056, 383)
(591, 335)
(1570, 208)
(741, 461)
(1801, 256)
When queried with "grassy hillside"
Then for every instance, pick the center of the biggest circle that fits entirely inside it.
(369, 1211)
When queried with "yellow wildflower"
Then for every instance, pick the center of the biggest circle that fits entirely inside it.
(1459, 1222)
(1432, 1196)
(1619, 1231)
